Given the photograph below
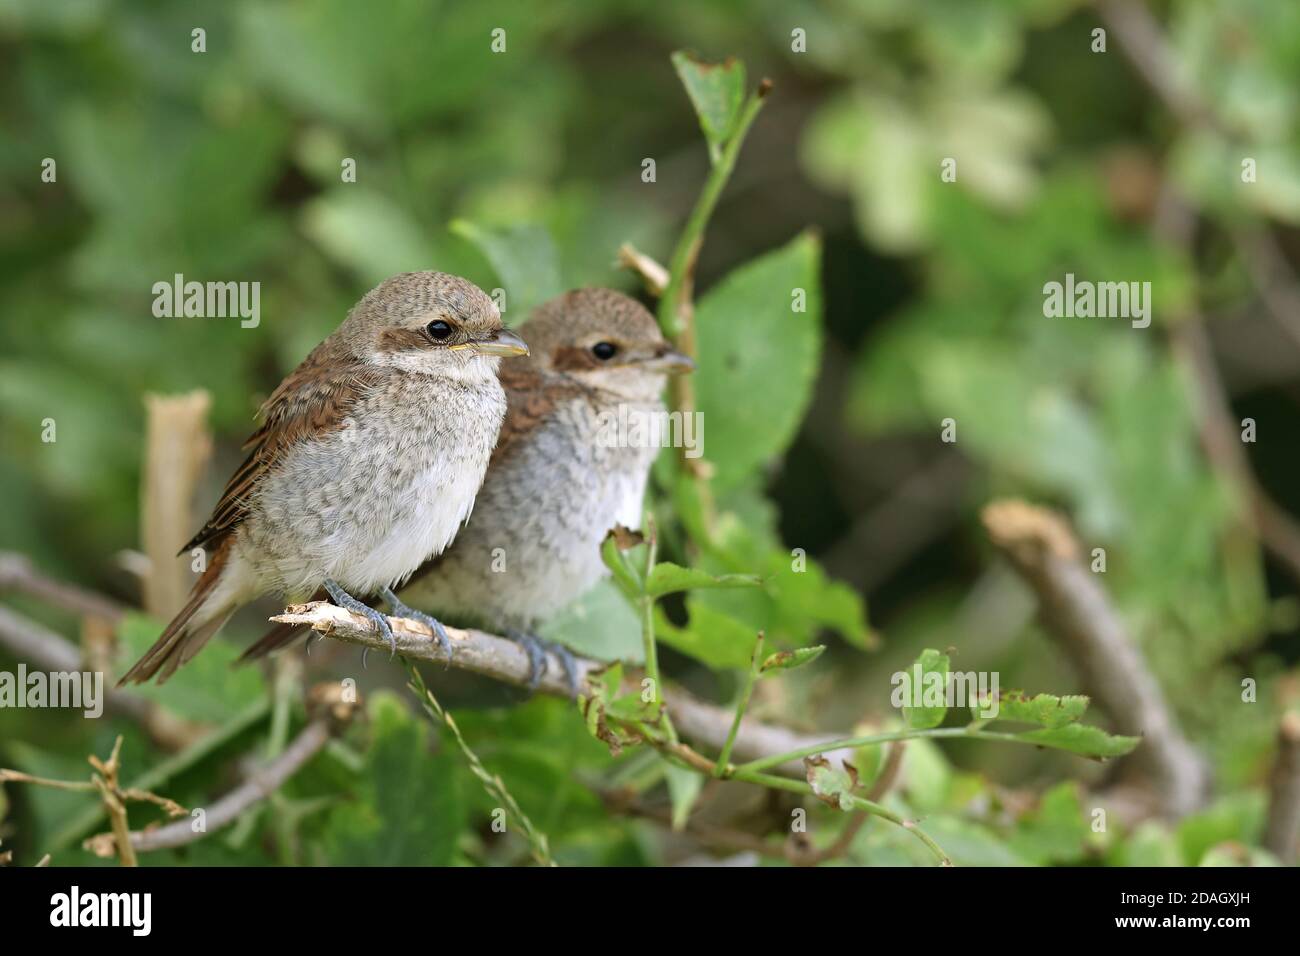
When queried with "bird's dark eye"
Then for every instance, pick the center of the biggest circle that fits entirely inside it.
(438, 330)
(604, 350)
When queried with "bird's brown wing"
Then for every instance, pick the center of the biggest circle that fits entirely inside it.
(313, 401)
(531, 398)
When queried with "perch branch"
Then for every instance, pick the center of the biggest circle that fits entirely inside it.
(504, 660)
(1079, 615)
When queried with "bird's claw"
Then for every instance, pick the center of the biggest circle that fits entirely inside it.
(346, 601)
(400, 609)
(537, 650)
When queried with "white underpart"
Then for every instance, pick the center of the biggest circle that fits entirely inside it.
(366, 505)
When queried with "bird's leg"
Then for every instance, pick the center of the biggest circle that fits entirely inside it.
(537, 649)
(399, 609)
(346, 601)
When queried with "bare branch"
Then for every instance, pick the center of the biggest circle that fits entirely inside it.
(18, 574)
(1079, 615)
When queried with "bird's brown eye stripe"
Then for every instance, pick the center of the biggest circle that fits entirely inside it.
(400, 340)
(570, 358)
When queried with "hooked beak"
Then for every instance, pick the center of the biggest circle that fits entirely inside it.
(671, 362)
(503, 342)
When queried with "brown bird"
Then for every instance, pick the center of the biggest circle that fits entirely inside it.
(559, 478)
(367, 462)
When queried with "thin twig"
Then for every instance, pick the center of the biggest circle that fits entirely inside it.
(17, 573)
(653, 275)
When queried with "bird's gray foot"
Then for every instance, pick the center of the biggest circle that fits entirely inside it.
(537, 649)
(399, 609)
(346, 601)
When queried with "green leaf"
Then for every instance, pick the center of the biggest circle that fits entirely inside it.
(717, 91)
(927, 775)
(409, 810)
(811, 598)
(668, 578)
(1046, 710)
(600, 624)
(751, 342)
(789, 660)
(683, 789)
(711, 636)
(208, 688)
(368, 232)
(524, 259)
(831, 785)
(924, 690)
(1056, 830)
(1083, 739)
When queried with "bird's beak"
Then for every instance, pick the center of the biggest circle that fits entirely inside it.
(503, 342)
(671, 362)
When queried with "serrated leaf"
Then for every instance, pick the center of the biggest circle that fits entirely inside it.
(832, 785)
(717, 91)
(1046, 710)
(789, 660)
(668, 578)
(923, 690)
(1083, 739)
(524, 259)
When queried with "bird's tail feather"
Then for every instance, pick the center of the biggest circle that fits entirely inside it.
(282, 635)
(189, 630)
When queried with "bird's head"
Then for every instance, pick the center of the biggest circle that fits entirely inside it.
(431, 323)
(605, 340)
